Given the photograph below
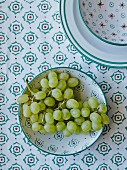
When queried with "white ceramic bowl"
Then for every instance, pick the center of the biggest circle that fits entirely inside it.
(57, 143)
(106, 19)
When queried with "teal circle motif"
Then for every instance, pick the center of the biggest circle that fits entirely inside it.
(104, 32)
(100, 16)
(90, 4)
(94, 24)
(123, 15)
(111, 4)
(124, 34)
(112, 26)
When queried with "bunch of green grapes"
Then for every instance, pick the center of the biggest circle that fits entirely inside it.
(54, 107)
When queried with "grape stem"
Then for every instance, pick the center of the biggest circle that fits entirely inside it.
(61, 106)
(43, 123)
(29, 88)
(49, 93)
(33, 99)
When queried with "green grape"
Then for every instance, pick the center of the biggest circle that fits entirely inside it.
(48, 110)
(49, 101)
(49, 118)
(60, 99)
(40, 117)
(61, 120)
(85, 133)
(26, 110)
(43, 119)
(71, 126)
(92, 110)
(96, 126)
(25, 105)
(72, 82)
(44, 83)
(86, 104)
(42, 130)
(102, 108)
(93, 102)
(23, 98)
(105, 119)
(75, 113)
(95, 117)
(85, 112)
(57, 114)
(34, 118)
(31, 90)
(68, 93)
(35, 107)
(66, 114)
(36, 127)
(79, 120)
(42, 105)
(40, 95)
(27, 113)
(53, 82)
(60, 126)
(34, 90)
(86, 126)
(61, 85)
(52, 74)
(72, 104)
(78, 130)
(80, 104)
(63, 76)
(50, 128)
(45, 90)
(56, 93)
(66, 132)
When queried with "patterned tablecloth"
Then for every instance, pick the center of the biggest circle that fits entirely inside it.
(32, 40)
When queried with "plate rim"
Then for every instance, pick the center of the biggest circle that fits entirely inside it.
(80, 49)
(19, 114)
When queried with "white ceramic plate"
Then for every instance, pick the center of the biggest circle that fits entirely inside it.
(85, 42)
(106, 20)
(58, 144)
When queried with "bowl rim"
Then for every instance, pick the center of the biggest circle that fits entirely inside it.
(54, 68)
(106, 41)
(82, 50)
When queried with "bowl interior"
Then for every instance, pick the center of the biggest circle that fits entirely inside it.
(106, 19)
(57, 143)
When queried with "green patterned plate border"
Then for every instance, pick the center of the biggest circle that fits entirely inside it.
(79, 48)
(93, 86)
